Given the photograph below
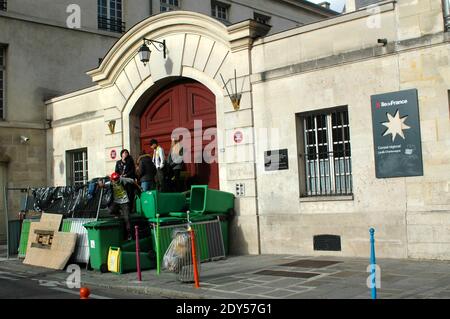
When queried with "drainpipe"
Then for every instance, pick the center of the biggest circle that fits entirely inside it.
(151, 7)
(258, 222)
(446, 8)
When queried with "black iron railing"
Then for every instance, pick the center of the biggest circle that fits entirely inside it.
(3, 5)
(328, 174)
(112, 25)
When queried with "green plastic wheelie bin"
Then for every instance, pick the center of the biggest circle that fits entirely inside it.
(207, 200)
(103, 234)
(155, 202)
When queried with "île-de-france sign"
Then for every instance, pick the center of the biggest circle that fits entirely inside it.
(396, 134)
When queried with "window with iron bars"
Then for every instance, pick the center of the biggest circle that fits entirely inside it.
(3, 5)
(77, 167)
(2, 81)
(219, 11)
(326, 161)
(110, 16)
(169, 5)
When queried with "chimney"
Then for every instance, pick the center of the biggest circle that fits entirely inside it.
(350, 5)
(325, 4)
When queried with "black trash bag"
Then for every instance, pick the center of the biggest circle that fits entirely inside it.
(66, 198)
(43, 198)
(107, 197)
(60, 200)
(81, 200)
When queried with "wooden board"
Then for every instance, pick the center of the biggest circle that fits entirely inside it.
(47, 247)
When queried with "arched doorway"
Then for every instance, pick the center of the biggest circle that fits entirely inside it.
(177, 106)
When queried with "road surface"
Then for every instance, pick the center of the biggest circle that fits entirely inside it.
(21, 285)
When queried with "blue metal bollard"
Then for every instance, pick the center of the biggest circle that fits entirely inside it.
(373, 263)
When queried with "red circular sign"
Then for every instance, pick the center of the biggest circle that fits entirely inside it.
(113, 154)
(238, 136)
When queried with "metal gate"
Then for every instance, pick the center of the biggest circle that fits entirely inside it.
(208, 235)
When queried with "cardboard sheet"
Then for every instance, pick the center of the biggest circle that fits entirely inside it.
(47, 247)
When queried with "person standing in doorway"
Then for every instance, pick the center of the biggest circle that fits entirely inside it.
(175, 161)
(158, 160)
(146, 172)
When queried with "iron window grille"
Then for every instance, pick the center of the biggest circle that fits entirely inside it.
(220, 11)
(2, 82)
(261, 18)
(3, 5)
(327, 154)
(110, 16)
(77, 167)
(169, 5)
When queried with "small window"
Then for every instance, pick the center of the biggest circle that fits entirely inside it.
(220, 11)
(3, 5)
(2, 81)
(110, 16)
(326, 158)
(77, 167)
(169, 5)
(261, 18)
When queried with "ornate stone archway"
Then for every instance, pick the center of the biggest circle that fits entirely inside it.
(198, 48)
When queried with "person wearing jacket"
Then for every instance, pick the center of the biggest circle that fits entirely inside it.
(120, 201)
(158, 160)
(125, 168)
(146, 171)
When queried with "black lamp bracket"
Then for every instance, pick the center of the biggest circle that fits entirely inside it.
(161, 45)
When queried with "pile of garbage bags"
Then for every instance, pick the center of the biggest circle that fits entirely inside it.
(77, 201)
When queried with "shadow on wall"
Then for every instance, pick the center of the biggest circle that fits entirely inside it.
(169, 66)
(238, 243)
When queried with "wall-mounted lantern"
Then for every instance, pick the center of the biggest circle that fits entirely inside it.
(145, 52)
(235, 97)
(112, 126)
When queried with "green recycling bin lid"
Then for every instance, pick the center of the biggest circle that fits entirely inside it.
(104, 223)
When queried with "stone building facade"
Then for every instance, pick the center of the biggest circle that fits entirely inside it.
(46, 47)
(314, 71)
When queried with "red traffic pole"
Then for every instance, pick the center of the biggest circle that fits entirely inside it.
(138, 258)
(194, 259)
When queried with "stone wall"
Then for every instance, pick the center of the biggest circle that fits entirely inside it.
(25, 166)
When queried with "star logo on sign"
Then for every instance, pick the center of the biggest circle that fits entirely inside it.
(395, 125)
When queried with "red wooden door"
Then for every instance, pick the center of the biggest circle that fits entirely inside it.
(177, 106)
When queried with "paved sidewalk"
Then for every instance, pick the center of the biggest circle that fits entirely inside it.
(280, 276)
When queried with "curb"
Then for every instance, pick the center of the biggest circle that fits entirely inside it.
(162, 292)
